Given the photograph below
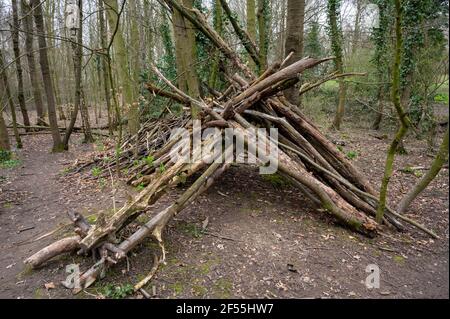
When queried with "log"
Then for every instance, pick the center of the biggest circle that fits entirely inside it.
(62, 246)
(156, 225)
(287, 73)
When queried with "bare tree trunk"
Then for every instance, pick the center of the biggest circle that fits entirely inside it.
(133, 114)
(336, 46)
(48, 22)
(34, 78)
(120, 52)
(218, 26)
(58, 146)
(15, 39)
(357, 28)
(77, 55)
(379, 116)
(436, 166)
(104, 66)
(186, 56)
(9, 99)
(251, 26)
(294, 41)
(4, 138)
(402, 116)
(263, 14)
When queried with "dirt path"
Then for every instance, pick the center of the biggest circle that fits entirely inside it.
(34, 200)
(263, 239)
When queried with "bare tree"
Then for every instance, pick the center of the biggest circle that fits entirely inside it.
(294, 40)
(58, 145)
(9, 99)
(32, 68)
(15, 40)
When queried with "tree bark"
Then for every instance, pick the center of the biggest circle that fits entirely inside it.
(294, 41)
(34, 78)
(4, 137)
(9, 99)
(251, 26)
(133, 114)
(263, 23)
(336, 46)
(104, 66)
(62, 246)
(58, 146)
(77, 57)
(120, 51)
(357, 28)
(186, 56)
(15, 40)
(218, 26)
(403, 117)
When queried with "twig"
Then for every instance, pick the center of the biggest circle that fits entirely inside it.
(139, 286)
(220, 236)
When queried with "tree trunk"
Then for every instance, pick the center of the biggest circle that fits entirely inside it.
(104, 66)
(381, 56)
(336, 46)
(149, 42)
(120, 51)
(218, 26)
(379, 116)
(251, 26)
(403, 117)
(294, 41)
(77, 56)
(436, 166)
(9, 99)
(133, 114)
(15, 39)
(48, 22)
(34, 77)
(4, 137)
(357, 28)
(263, 23)
(186, 55)
(58, 146)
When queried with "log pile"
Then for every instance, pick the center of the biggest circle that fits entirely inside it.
(313, 163)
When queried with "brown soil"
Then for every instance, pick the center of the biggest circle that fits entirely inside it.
(262, 241)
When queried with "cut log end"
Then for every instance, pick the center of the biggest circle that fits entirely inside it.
(59, 247)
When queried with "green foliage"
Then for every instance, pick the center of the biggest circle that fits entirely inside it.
(140, 187)
(96, 171)
(5, 155)
(352, 155)
(162, 168)
(149, 160)
(8, 160)
(313, 46)
(167, 65)
(117, 292)
(424, 25)
(441, 98)
(334, 29)
(412, 171)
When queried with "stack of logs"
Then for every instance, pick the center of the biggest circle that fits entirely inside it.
(305, 157)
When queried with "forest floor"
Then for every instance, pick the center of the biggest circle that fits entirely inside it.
(263, 239)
